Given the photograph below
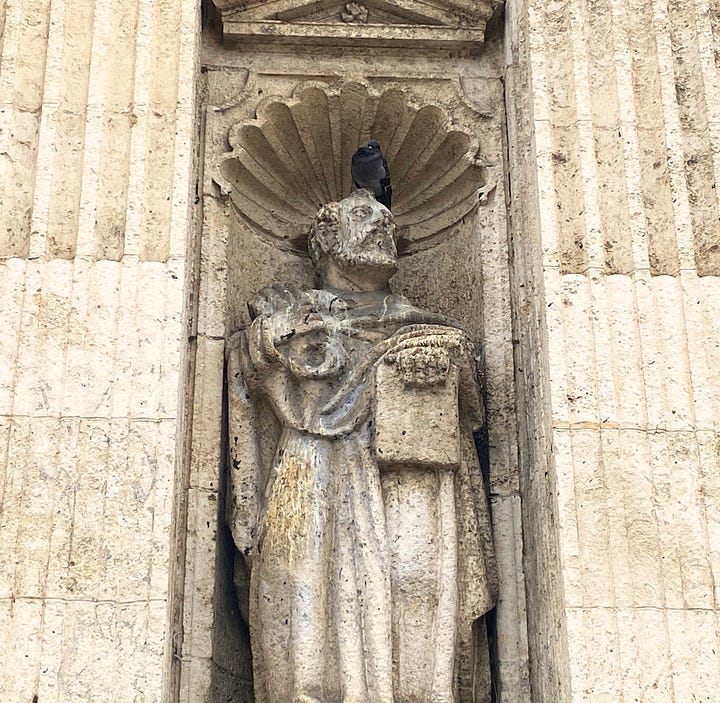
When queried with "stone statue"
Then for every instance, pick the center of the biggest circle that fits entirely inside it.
(357, 499)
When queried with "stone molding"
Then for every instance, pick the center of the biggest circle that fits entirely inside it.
(400, 23)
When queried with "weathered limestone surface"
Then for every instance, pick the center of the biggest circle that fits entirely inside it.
(96, 158)
(613, 139)
(613, 133)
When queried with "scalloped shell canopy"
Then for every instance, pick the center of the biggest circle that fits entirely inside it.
(295, 157)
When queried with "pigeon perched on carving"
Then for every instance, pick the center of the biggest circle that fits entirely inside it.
(370, 170)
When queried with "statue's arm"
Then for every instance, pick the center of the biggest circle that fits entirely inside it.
(245, 469)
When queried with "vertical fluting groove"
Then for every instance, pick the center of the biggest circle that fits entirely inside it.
(698, 160)
(629, 652)
(656, 191)
(670, 566)
(125, 344)
(22, 68)
(160, 150)
(144, 398)
(673, 136)
(631, 153)
(91, 167)
(672, 338)
(64, 213)
(600, 37)
(709, 301)
(610, 441)
(12, 293)
(138, 172)
(158, 576)
(185, 199)
(701, 333)
(47, 143)
(3, 15)
(23, 397)
(91, 378)
(6, 424)
(76, 380)
(652, 369)
(114, 505)
(587, 161)
(675, 499)
(711, 84)
(633, 480)
(677, 336)
(713, 10)
(568, 195)
(119, 118)
(60, 279)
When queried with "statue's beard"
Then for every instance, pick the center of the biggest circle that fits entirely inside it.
(370, 252)
(369, 258)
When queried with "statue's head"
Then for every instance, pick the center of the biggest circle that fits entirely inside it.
(355, 237)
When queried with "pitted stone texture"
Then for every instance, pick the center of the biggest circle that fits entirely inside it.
(628, 100)
(102, 95)
(416, 422)
(89, 455)
(620, 427)
(92, 288)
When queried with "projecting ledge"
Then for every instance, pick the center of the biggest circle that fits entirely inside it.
(399, 35)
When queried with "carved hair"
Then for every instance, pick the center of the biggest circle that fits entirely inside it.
(323, 236)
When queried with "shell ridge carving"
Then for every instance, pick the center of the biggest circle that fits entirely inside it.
(312, 153)
(294, 156)
(259, 158)
(430, 162)
(438, 171)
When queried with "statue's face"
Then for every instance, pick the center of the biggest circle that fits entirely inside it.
(366, 236)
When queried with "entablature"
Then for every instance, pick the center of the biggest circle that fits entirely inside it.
(371, 23)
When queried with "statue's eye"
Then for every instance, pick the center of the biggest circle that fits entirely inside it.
(360, 212)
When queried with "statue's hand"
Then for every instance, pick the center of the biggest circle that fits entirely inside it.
(296, 321)
(261, 346)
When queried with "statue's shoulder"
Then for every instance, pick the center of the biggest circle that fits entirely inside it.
(277, 297)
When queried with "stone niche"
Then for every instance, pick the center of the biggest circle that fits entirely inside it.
(289, 91)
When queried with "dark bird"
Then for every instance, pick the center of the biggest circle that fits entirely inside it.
(370, 170)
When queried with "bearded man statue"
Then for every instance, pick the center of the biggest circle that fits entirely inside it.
(357, 501)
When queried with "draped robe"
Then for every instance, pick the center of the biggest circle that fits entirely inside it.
(364, 584)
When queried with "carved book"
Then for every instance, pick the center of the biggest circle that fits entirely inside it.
(416, 426)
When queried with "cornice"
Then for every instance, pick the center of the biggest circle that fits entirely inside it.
(402, 23)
